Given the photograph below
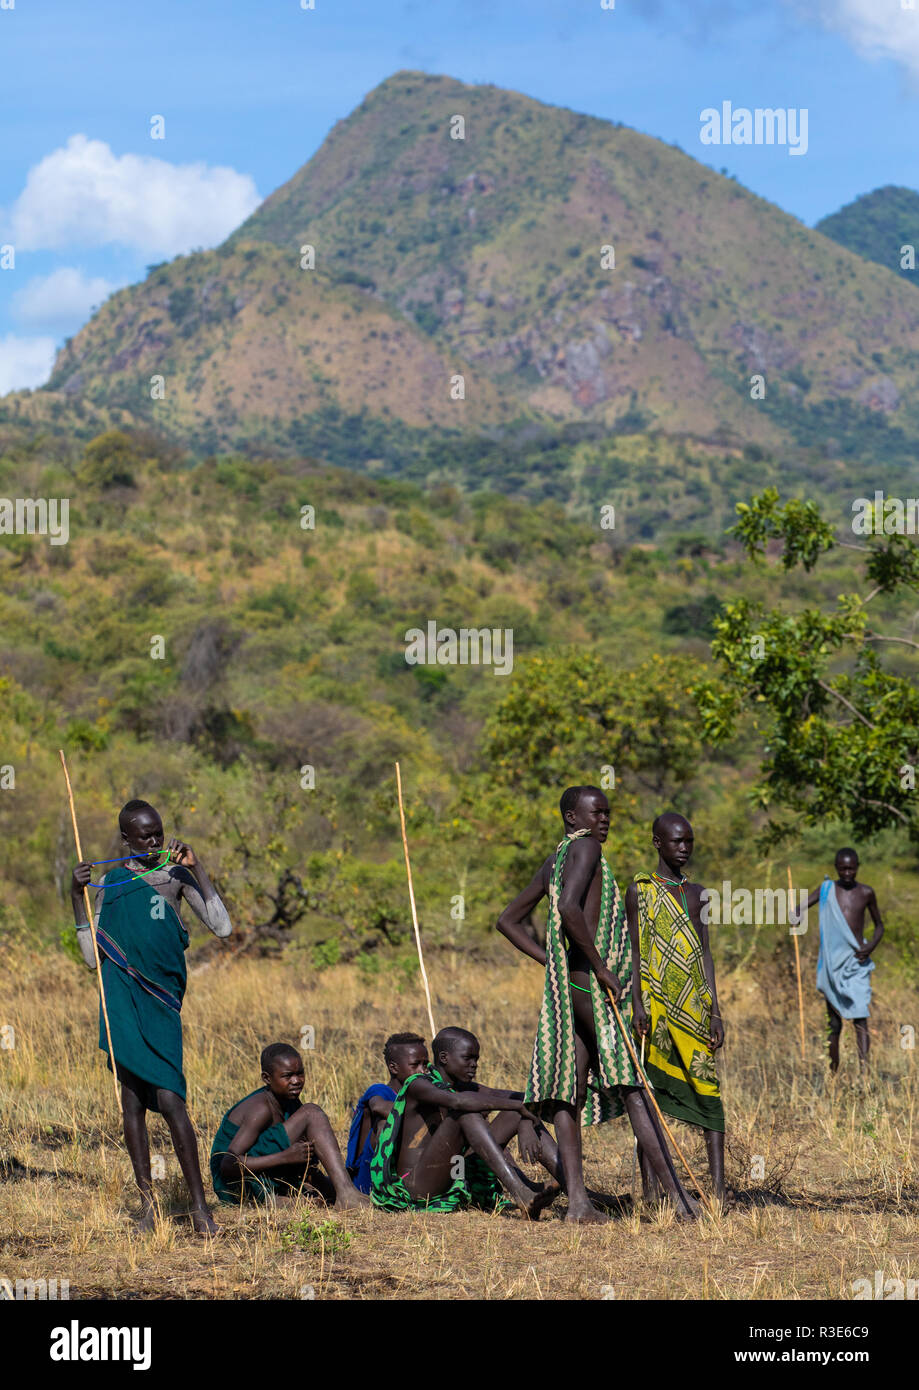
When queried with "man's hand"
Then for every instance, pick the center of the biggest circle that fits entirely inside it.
(716, 1033)
(521, 1109)
(181, 853)
(609, 981)
(640, 1020)
(300, 1151)
(81, 876)
(862, 955)
(527, 1142)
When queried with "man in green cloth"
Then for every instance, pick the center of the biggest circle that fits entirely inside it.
(675, 1003)
(268, 1144)
(141, 940)
(581, 1066)
(437, 1152)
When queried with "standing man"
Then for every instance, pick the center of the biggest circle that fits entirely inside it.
(142, 942)
(675, 1002)
(581, 1065)
(844, 964)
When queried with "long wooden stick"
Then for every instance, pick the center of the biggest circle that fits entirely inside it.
(797, 970)
(650, 1090)
(411, 898)
(92, 932)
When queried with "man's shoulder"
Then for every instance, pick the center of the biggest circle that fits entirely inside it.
(254, 1106)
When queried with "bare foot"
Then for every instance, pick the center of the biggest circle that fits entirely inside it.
(146, 1221)
(203, 1224)
(585, 1214)
(351, 1198)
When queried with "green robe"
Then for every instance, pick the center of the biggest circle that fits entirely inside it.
(478, 1187)
(553, 1075)
(258, 1187)
(142, 945)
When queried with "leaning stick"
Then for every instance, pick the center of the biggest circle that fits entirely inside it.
(650, 1090)
(797, 971)
(92, 932)
(411, 898)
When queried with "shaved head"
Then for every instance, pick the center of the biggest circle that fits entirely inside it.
(667, 822)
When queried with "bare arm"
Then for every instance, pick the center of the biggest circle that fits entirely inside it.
(872, 906)
(236, 1163)
(198, 891)
(640, 1019)
(477, 1102)
(580, 867)
(795, 917)
(693, 899)
(510, 923)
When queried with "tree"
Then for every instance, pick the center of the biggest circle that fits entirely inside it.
(840, 732)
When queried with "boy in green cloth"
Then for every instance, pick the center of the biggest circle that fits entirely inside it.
(423, 1159)
(142, 941)
(675, 1002)
(267, 1141)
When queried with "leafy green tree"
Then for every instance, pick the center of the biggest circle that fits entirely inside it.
(840, 732)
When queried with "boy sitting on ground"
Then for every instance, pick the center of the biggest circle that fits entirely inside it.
(269, 1145)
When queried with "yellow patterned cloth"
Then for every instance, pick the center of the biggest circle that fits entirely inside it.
(679, 1063)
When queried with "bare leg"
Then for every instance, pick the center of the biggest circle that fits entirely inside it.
(654, 1150)
(862, 1040)
(138, 1146)
(714, 1144)
(650, 1187)
(309, 1122)
(172, 1108)
(568, 1117)
(437, 1160)
(505, 1126)
(834, 1024)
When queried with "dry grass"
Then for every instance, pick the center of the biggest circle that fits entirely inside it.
(838, 1199)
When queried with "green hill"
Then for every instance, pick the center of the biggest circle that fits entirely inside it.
(877, 226)
(481, 257)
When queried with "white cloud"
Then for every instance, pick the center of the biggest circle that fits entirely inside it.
(85, 195)
(60, 300)
(25, 362)
(875, 28)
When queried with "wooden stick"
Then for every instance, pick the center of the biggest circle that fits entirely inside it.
(92, 932)
(652, 1098)
(797, 971)
(411, 898)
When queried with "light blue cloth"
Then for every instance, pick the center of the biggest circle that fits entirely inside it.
(841, 978)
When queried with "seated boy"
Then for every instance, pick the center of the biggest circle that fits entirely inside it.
(266, 1142)
(405, 1054)
(437, 1151)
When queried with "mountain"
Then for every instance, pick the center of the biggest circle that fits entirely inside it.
(481, 257)
(877, 226)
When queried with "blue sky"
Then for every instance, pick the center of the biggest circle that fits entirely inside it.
(248, 90)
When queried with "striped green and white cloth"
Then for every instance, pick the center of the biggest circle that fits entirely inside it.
(553, 1071)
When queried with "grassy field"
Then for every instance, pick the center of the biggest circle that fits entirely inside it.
(835, 1202)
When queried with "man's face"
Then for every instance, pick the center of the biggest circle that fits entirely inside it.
(592, 813)
(408, 1059)
(674, 843)
(144, 837)
(461, 1063)
(286, 1078)
(847, 868)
